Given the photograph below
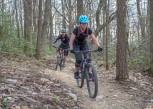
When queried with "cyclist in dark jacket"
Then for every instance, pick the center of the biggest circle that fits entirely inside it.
(63, 37)
(78, 41)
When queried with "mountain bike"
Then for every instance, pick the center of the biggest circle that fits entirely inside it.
(59, 58)
(88, 72)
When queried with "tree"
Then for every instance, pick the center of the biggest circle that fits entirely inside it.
(105, 31)
(42, 28)
(17, 20)
(35, 14)
(2, 10)
(107, 34)
(39, 36)
(70, 15)
(111, 17)
(140, 19)
(121, 50)
(27, 26)
(151, 36)
(80, 10)
(63, 12)
(51, 24)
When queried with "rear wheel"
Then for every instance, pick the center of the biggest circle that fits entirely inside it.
(92, 82)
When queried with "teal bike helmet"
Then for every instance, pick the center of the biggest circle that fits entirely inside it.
(83, 19)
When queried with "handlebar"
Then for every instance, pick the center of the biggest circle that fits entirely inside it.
(61, 48)
(86, 51)
(82, 51)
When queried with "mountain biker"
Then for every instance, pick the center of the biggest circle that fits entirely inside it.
(64, 44)
(78, 41)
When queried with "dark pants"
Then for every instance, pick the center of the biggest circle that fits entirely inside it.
(79, 56)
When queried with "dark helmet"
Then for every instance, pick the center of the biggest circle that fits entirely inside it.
(63, 30)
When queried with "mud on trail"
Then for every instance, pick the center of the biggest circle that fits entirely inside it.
(26, 83)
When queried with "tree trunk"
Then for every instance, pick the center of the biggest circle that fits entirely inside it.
(100, 5)
(63, 12)
(106, 32)
(51, 25)
(35, 7)
(141, 19)
(151, 37)
(27, 26)
(43, 31)
(39, 36)
(80, 10)
(17, 20)
(107, 35)
(70, 17)
(2, 10)
(121, 51)
(21, 18)
(104, 29)
(46, 21)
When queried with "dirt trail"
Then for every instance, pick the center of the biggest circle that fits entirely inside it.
(136, 93)
(112, 95)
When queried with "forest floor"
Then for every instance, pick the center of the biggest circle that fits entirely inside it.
(26, 83)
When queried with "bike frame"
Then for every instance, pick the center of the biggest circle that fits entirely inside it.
(60, 56)
(84, 64)
(84, 68)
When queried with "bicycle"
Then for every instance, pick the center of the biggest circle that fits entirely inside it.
(60, 58)
(91, 77)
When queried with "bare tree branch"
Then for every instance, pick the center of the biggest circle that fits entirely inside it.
(61, 14)
(111, 18)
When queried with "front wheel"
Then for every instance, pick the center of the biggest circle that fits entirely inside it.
(57, 62)
(80, 80)
(92, 82)
(61, 64)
